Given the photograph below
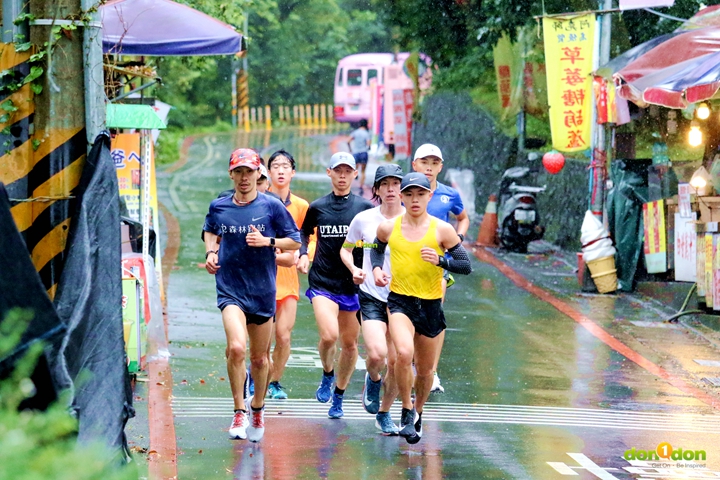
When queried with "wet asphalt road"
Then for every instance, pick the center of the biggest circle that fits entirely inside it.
(530, 393)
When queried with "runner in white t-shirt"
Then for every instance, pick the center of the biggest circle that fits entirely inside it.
(373, 299)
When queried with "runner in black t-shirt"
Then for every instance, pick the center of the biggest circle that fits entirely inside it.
(332, 291)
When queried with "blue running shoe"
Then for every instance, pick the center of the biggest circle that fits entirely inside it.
(275, 390)
(336, 410)
(384, 423)
(249, 384)
(324, 392)
(371, 395)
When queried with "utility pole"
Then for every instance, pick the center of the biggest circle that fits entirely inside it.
(93, 71)
(241, 85)
(600, 156)
(60, 140)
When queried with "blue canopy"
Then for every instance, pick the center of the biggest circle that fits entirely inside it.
(164, 27)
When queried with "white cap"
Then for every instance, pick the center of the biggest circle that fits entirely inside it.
(263, 171)
(428, 150)
(342, 158)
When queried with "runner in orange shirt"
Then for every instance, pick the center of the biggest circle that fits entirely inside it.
(281, 166)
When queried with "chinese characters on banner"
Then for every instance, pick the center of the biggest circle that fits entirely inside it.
(685, 248)
(521, 84)
(568, 62)
(654, 236)
(684, 206)
(402, 121)
(125, 152)
(508, 62)
(409, 102)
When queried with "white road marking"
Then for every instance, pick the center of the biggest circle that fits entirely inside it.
(707, 363)
(184, 177)
(208, 407)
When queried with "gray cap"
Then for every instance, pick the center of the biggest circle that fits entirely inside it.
(390, 170)
(415, 179)
(342, 158)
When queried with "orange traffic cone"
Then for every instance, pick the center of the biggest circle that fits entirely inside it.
(487, 235)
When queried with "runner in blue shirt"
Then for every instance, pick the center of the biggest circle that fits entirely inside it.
(428, 160)
(251, 226)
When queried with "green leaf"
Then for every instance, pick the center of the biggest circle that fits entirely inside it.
(35, 57)
(9, 106)
(35, 72)
(35, 144)
(23, 47)
(36, 88)
(4, 118)
(23, 17)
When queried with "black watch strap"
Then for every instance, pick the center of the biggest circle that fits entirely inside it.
(209, 252)
(272, 241)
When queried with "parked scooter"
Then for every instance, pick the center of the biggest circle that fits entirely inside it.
(518, 218)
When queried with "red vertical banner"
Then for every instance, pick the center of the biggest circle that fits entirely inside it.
(402, 147)
(409, 102)
(601, 99)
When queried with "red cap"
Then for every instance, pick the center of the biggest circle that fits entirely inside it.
(244, 157)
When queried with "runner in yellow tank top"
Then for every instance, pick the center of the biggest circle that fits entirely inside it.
(408, 276)
(417, 242)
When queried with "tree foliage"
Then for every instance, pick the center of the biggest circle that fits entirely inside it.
(459, 35)
(293, 49)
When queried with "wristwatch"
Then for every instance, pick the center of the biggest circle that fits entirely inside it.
(209, 252)
(272, 241)
(462, 237)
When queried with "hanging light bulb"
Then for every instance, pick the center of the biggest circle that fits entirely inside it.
(703, 111)
(695, 138)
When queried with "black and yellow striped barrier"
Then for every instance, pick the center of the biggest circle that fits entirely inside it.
(40, 181)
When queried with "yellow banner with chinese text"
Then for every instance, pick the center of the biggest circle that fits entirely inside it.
(569, 44)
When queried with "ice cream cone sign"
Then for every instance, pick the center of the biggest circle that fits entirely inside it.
(553, 161)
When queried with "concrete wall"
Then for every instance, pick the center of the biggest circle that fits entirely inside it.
(469, 138)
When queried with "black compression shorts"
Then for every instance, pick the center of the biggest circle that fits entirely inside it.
(426, 315)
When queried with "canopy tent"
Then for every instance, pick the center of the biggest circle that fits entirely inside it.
(164, 27)
(672, 70)
(133, 116)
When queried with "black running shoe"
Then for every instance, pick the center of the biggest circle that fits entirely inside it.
(407, 426)
(418, 426)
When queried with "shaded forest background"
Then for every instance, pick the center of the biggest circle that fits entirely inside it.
(294, 46)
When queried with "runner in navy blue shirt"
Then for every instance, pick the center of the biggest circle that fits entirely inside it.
(428, 160)
(332, 291)
(252, 226)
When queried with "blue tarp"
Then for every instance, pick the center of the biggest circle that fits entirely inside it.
(163, 27)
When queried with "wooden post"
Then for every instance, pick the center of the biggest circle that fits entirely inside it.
(323, 120)
(246, 118)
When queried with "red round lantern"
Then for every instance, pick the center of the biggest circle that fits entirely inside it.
(553, 161)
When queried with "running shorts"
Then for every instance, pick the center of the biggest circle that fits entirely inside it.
(347, 303)
(361, 157)
(372, 308)
(426, 315)
(250, 318)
